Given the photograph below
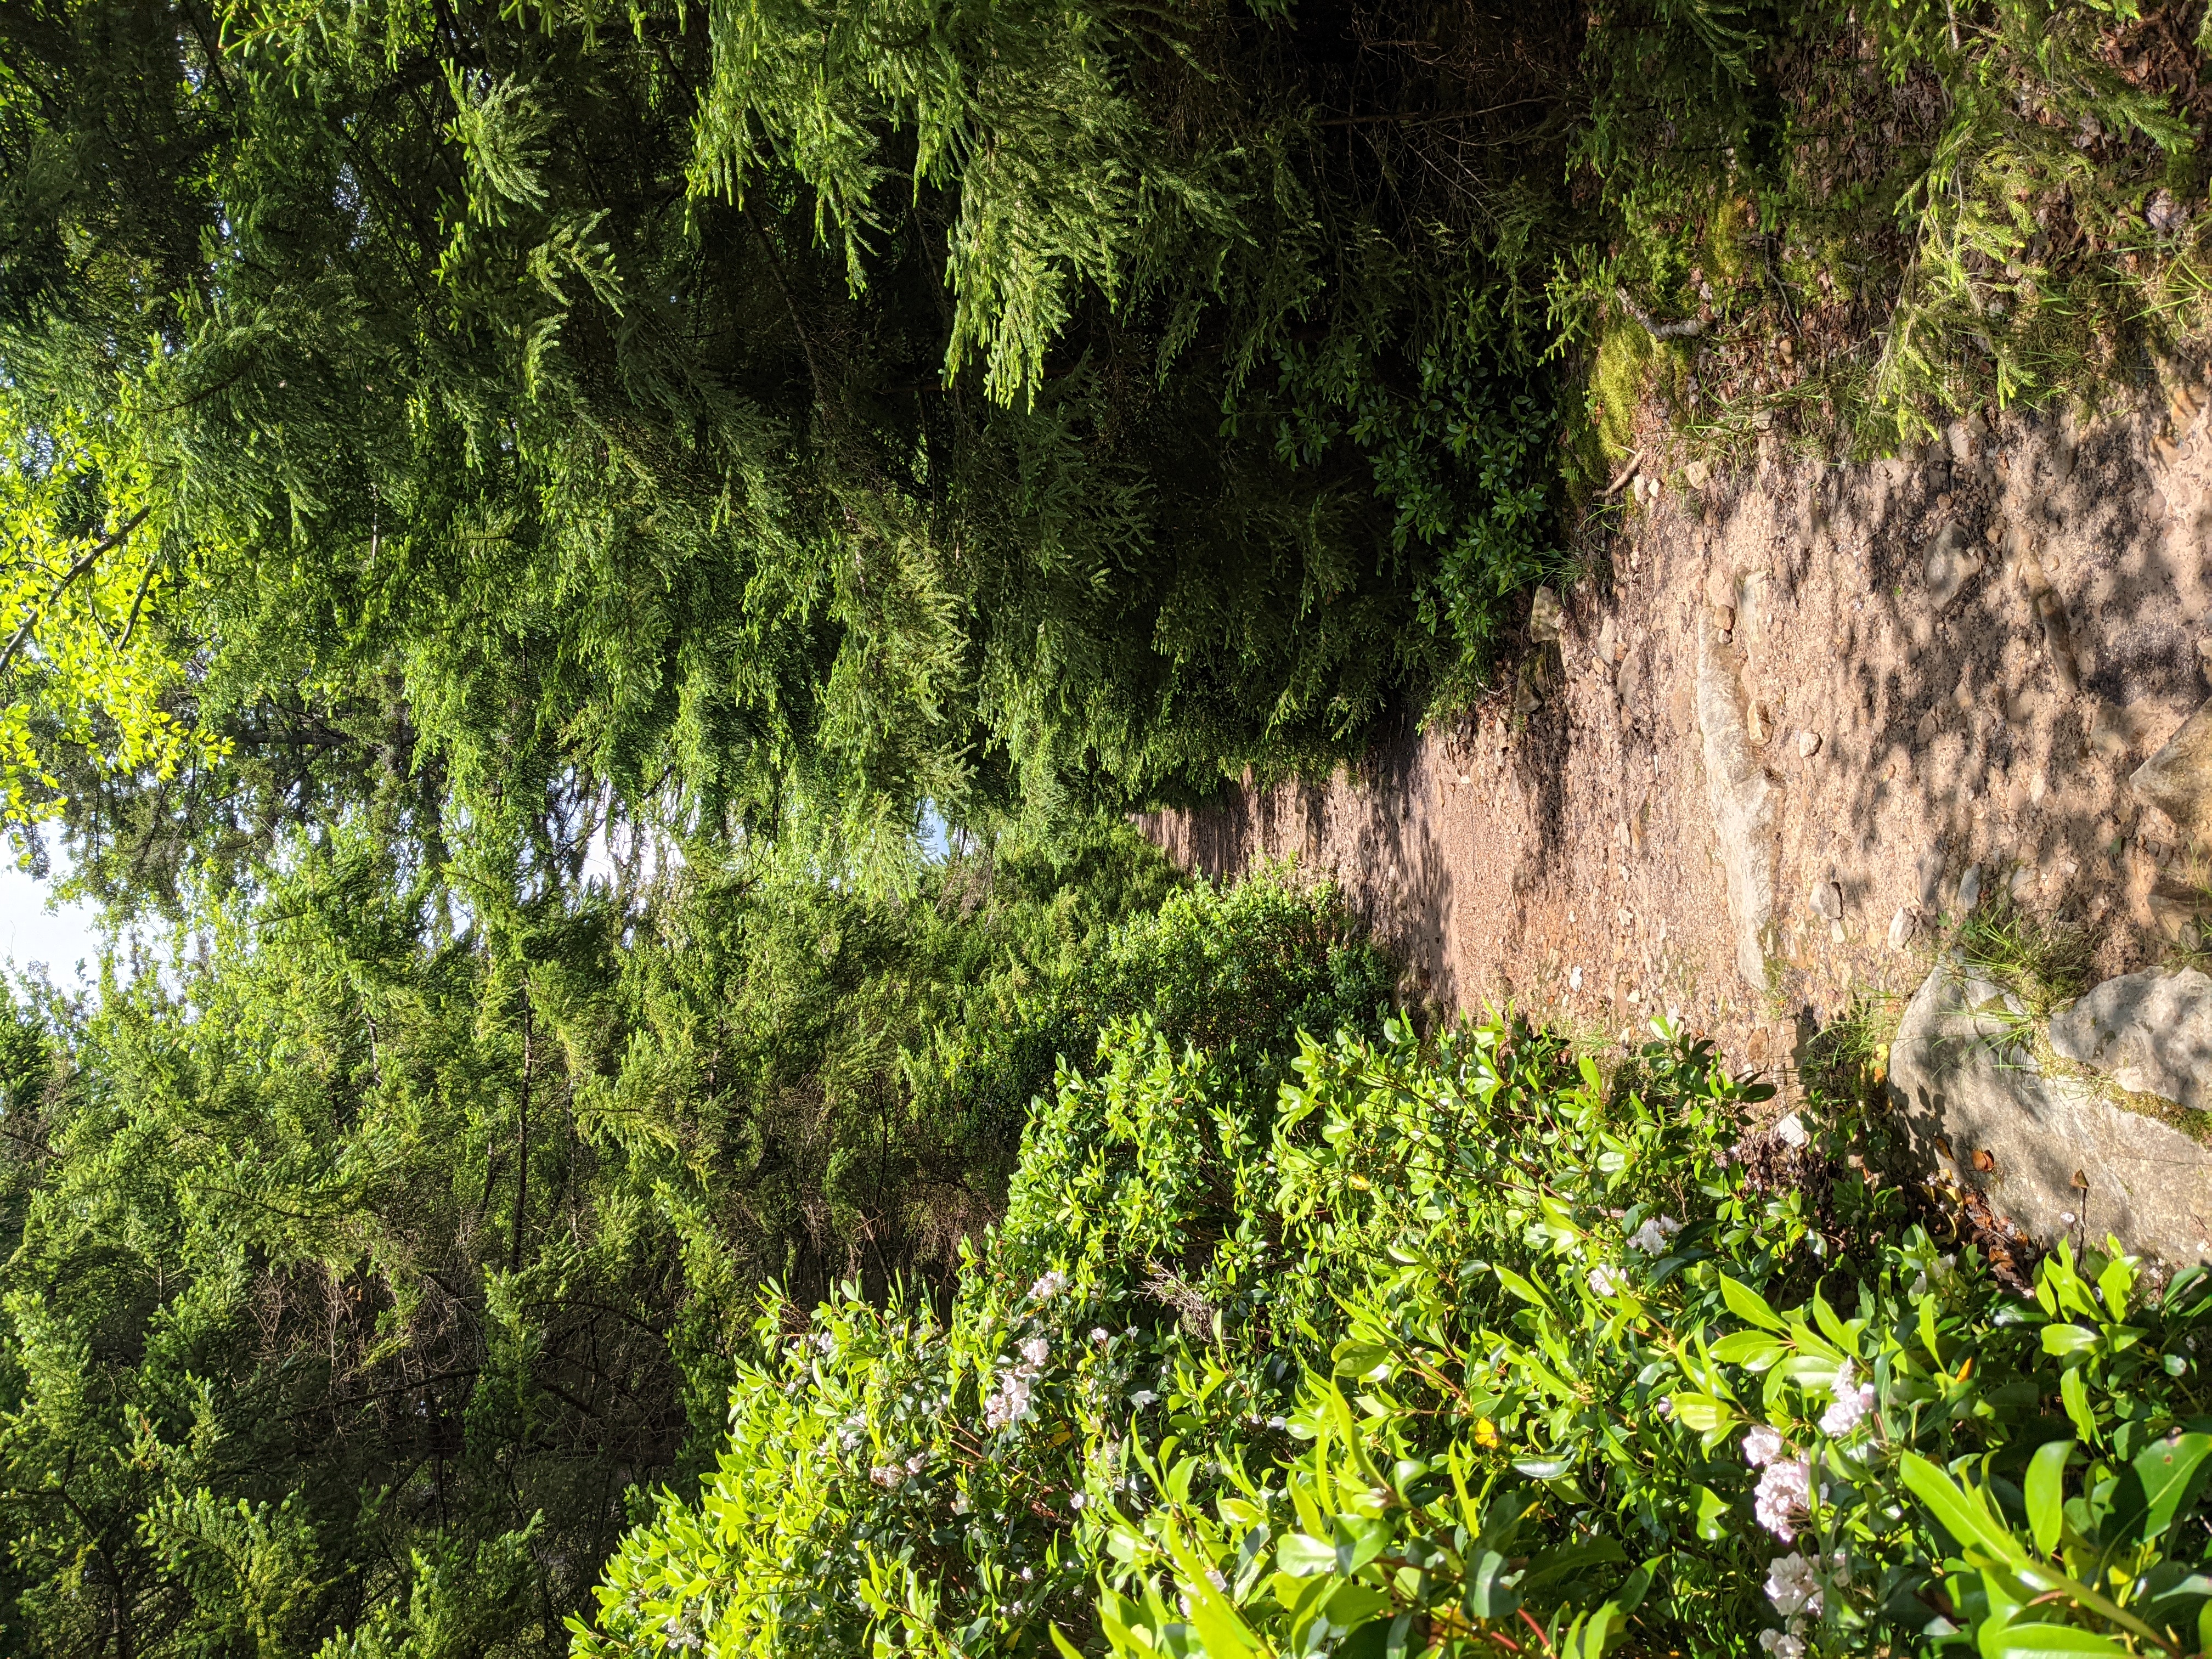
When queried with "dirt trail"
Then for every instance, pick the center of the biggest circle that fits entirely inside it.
(1946, 661)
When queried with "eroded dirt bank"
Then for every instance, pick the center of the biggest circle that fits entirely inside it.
(1948, 661)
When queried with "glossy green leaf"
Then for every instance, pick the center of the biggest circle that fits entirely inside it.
(1701, 1413)
(2047, 1492)
(1360, 1540)
(1965, 1513)
(2074, 1392)
(1544, 1468)
(2035, 1641)
(2172, 1473)
(1354, 1604)
(1521, 1288)
(1492, 1590)
(1302, 1556)
(1746, 1304)
(2114, 1283)
(1756, 1349)
(1713, 1516)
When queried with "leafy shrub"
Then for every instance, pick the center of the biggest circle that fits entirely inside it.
(350, 1277)
(1468, 1353)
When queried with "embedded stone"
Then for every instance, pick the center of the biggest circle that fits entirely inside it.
(2152, 1032)
(1742, 808)
(1973, 1101)
(1952, 561)
(1902, 926)
(2178, 780)
(1826, 899)
(1543, 618)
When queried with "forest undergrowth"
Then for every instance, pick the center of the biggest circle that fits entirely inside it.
(596, 586)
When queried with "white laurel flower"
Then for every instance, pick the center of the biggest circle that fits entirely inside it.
(1048, 1286)
(1009, 1402)
(1651, 1237)
(1762, 1445)
(1785, 1492)
(1854, 1400)
(1793, 1585)
(1606, 1281)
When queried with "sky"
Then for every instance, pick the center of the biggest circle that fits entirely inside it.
(30, 933)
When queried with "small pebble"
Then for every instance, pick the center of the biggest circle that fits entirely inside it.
(2108, 731)
(1902, 926)
(1809, 743)
(1826, 899)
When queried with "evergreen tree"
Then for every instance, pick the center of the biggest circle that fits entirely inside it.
(780, 416)
(359, 1275)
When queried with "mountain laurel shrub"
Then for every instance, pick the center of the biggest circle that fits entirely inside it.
(1455, 1348)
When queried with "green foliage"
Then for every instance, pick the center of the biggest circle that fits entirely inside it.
(781, 418)
(354, 1278)
(2045, 963)
(1948, 207)
(1462, 1344)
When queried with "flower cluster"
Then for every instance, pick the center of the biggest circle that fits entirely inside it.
(1607, 1281)
(1010, 1401)
(1050, 1285)
(1652, 1237)
(1785, 1489)
(1797, 1585)
(1854, 1400)
(893, 1474)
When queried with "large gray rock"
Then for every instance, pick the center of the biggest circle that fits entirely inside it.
(2178, 780)
(1959, 1073)
(1742, 803)
(2152, 1032)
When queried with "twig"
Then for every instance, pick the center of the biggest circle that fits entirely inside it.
(144, 582)
(62, 587)
(1626, 473)
(1681, 331)
(1421, 120)
(1774, 281)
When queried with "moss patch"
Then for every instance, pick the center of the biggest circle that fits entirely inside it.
(1619, 379)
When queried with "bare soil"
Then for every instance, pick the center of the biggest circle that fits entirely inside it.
(1561, 858)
